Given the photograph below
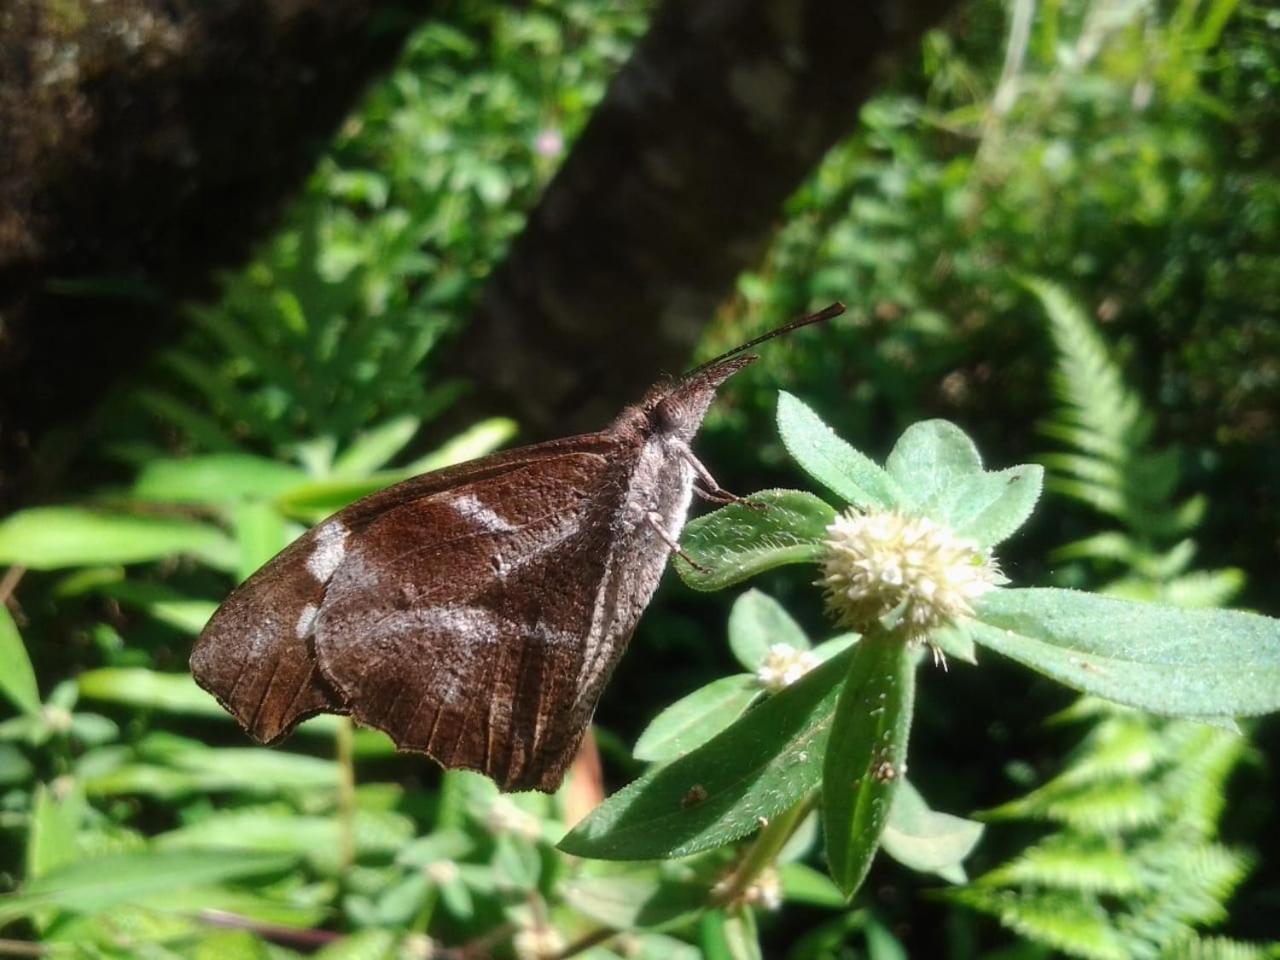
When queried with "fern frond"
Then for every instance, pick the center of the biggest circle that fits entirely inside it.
(1219, 948)
(1075, 924)
(1062, 862)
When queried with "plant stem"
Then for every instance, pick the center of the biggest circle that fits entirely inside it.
(762, 853)
(345, 738)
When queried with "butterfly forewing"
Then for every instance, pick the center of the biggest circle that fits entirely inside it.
(459, 623)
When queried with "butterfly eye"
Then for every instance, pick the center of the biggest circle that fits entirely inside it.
(665, 416)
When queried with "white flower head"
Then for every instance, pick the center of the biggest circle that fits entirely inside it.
(765, 890)
(538, 943)
(505, 817)
(880, 563)
(441, 871)
(783, 665)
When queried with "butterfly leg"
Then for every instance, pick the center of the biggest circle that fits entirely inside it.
(655, 520)
(713, 492)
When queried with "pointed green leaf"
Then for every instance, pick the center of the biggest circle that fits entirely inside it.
(260, 532)
(866, 755)
(78, 886)
(741, 540)
(1191, 663)
(476, 441)
(763, 764)
(45, 538)
(924, 840)
(757, 622)
(374, 448)
(803, 884)
(216, 478)
(850, 475)
(187, 614)
(51, 835)
(694, 719)
(17, 677)
(634, 899)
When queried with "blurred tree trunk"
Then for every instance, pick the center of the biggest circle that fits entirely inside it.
(143, 144)
(674, 188)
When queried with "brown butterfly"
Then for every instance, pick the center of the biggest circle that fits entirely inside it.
(475, 613)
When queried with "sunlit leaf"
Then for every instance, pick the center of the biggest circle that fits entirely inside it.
(694, 719)
(840, 468)
(46, 538)
(17, 677)
(738, 541)
(926, 840)
(215, 478)
(1163, 659)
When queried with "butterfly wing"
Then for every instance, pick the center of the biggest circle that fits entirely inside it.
(256, 655)
(461, 623)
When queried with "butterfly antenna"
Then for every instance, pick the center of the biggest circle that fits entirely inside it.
(826, 313)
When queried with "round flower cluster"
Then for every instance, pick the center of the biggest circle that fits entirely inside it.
(876, 564)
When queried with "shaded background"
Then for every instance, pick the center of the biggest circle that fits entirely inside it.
(272, 229)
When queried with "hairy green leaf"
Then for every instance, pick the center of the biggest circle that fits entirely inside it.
(1192, 663)
(738, 541)
(866, 755)
(763, 764)
(840, 468)
(694, 719)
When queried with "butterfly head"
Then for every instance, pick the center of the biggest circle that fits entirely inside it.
(676, 409)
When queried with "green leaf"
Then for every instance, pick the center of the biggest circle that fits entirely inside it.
(934, 461)
(757, 622)
(45, 538)
(924, 840)
(866, 755)
(17, 677)
(803, 884)
(260, 532)
(694, 719)
(139, 687)
(78, 886)
(741, 540)
(187, 614)
(631, 900)
(1192, 663)
(364, 945)
(850, 475)
(763, 764)
(991, 506)
(476, 441)
(216, 478)
(373, 449)
(51, 836)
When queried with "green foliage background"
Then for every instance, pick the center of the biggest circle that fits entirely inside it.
(1126, 152)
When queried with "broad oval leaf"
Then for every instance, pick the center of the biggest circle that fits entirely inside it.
(925, 840)
(46, 538)
(17, 678)
(932, 462)
(757, 622)
(992, 506)
(1188, 663)
(866, 755)
(762, 765)
(694, 719)
(849, 474)
(741, 540)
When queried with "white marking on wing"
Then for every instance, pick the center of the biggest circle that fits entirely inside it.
(472, 509)
(330, 547)
(305, 619)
